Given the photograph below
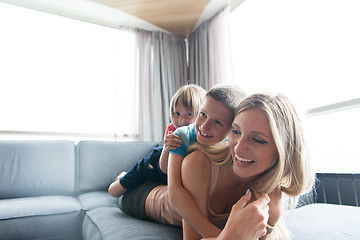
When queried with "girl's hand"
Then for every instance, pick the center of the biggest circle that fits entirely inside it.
(172, 142)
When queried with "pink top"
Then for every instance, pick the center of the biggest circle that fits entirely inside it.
(162, 211)
(170, 127)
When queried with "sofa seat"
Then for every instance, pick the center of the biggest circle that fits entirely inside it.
(323, 221)
(111, 223)
(45, 217)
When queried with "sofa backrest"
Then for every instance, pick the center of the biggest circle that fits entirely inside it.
(100, 162)
(34, 168)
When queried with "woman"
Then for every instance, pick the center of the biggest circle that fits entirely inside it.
(265, 153)
(264, 159)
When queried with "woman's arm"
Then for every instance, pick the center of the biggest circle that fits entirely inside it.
(275, 207)
(194, 172)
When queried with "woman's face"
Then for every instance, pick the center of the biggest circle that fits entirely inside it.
(252, 145)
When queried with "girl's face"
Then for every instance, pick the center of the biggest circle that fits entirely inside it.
(252, 145)
(213, 123)
(182, 116)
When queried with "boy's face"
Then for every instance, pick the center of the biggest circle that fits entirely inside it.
(182, 116)
(213, 123)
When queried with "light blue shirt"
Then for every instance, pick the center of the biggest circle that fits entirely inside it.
(188, 137)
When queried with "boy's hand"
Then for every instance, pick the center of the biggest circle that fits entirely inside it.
(172, 142)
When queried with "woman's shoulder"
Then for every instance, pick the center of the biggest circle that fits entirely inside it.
(197, 163)
(198, 158)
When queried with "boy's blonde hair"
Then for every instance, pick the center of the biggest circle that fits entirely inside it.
(190, 96)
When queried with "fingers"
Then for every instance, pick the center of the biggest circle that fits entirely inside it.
(172, 142)
(248, 220)
(243, 201)
(263, 200)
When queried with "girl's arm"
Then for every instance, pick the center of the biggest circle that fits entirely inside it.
(195, 172)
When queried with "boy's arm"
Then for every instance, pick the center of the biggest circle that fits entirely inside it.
(183, 201)
(163, 162)
(171, 142)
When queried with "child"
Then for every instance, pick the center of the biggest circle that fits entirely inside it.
(184, 107)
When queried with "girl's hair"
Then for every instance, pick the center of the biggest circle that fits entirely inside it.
(230, 95)
(190, 96)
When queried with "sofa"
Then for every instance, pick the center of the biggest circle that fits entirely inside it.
(58, 190)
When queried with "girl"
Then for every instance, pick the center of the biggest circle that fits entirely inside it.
(184, 107)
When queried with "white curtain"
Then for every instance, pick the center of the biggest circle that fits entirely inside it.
(199, 56)
(209, 52)
(220, 64)
(161, 71)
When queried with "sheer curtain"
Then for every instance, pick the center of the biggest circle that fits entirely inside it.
(220, 63)
(161, 70)
(199, 56)
(209, 52)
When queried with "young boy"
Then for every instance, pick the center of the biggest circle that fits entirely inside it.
(184, 107)
(212, 126)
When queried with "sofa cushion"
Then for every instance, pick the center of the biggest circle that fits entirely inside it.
(111, 223)
(323, 221)
(100, 162)
(40, 217)
(35, 168)
(97, 199)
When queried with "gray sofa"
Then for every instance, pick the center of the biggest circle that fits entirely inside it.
(58, 190)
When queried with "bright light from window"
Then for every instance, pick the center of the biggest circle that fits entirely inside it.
(309, 50)
(63, 75)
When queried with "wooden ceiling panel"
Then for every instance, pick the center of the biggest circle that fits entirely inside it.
(176, 16)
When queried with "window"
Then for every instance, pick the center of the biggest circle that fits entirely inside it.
(309, 50)
(64, 77)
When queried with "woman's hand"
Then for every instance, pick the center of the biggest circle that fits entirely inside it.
(247, 222)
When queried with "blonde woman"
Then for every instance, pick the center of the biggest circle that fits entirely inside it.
(266, 154)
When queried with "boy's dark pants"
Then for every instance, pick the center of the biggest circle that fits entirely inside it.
(145, 169)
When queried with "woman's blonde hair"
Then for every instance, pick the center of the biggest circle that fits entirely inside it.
(292, 170)
(191, 96)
